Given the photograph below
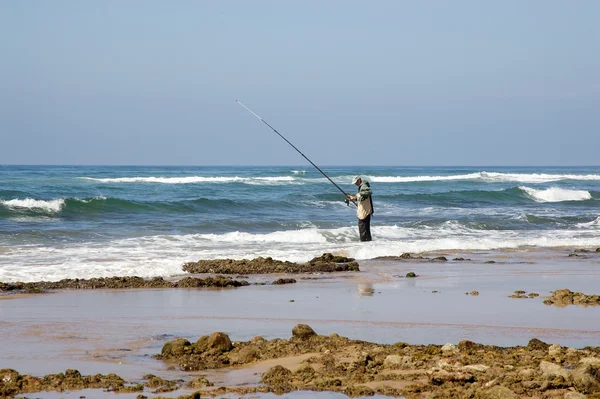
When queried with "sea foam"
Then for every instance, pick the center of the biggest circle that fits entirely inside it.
(53, 206)
(164, 255)
(194, 179)
(556, 194)
(485, 176)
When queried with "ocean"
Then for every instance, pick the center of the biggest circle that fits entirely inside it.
(95, 221)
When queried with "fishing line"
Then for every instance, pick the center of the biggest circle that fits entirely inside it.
(294, 147)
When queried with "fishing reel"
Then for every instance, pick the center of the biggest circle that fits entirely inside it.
(347, 201)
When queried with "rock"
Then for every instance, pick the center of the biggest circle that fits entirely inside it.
(530, 384)
(574, 395)
(219, 342)
(325, 263)
(498, 392)
(9, 386)
(554, 350)
(586, 378)
(474, 293)
(245, 355)
(176, 348)
(550, 370)
(592, 361)
(450, 348)
(533, 295)
(441, 259)
(482, 368)
(443, 364)
(527, 373)
(392, 360)
(277, 375)
(303, 331)
(439, 377)
(198, 383)
(536, 344)
(491, 383)
(280, 281)
(566, 297)
(411, 275)
(258, 340)
(468, 344)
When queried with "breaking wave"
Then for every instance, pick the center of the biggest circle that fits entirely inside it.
(50, 206)
(556, 194)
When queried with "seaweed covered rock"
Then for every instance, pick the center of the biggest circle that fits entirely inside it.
(586, 378)
(303, 331)
(219, 342)
(536, 344)
(335, 363)
(567, 297)
(326, 263)
(277, 375)
(176, 348)
(281, 281)
(130, 282)
(12, 383)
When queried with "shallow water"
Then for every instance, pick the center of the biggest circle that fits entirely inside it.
(118, 331)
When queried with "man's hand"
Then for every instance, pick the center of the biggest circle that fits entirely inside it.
(350, 197)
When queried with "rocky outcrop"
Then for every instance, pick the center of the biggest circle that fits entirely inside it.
(129, 282)
(567, 297)
(326, 263)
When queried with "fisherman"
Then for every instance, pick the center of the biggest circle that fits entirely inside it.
(365, 207)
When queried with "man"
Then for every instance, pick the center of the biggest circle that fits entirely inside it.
(365, 207)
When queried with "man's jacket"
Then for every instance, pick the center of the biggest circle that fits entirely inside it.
(364, 201)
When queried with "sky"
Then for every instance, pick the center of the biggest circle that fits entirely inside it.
(348, 82)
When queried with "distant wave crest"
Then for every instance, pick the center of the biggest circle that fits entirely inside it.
(194, 179)
(298, 178)
(486, 176)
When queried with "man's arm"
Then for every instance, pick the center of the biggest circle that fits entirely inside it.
(364, 193)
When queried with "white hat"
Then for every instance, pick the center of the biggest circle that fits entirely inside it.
(355, 179)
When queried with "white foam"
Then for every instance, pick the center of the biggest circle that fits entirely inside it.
(297, 179)
(594, 223)
(164, 255)
(485, 176)
(194, 179)
(52, 206)
(410, 179)
(556, 194)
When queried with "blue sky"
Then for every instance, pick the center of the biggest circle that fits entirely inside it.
(348, 82)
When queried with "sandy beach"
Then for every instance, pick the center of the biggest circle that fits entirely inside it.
(119, 331)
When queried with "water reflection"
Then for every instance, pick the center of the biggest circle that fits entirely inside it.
(366, 289)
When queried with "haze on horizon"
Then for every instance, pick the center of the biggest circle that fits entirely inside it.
(348, 82)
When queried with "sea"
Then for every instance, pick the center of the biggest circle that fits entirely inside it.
(61, 222)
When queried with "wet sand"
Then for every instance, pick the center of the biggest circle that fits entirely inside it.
(118, 331)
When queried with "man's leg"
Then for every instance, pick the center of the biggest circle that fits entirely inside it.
(364, 228)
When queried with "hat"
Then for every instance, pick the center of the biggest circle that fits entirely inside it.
(355, 179)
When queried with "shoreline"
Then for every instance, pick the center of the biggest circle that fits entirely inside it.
(119, 331)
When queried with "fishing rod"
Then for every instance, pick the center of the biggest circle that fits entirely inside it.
(294, 147)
